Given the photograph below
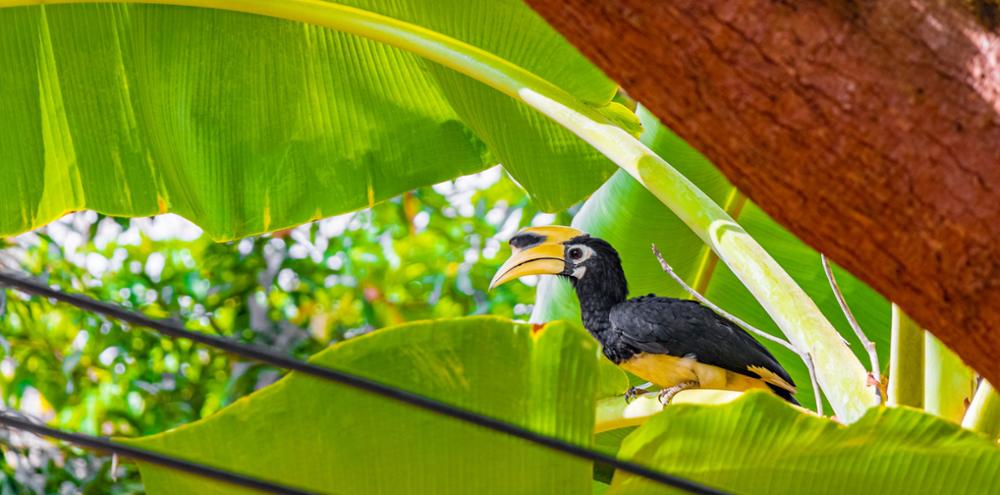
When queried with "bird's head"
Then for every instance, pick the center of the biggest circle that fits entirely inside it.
(563, 251)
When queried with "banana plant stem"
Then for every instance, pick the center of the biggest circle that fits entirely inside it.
(906, 362)
(948, 381)
(733, 206)
(984, 411)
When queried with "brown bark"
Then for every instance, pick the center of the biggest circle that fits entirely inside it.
(871, 129)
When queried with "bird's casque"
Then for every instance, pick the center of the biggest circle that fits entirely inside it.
(672, 343)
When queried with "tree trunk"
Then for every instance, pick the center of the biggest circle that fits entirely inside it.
(871, 129)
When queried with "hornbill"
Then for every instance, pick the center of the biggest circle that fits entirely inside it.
(673, 343)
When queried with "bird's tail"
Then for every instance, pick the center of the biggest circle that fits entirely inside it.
(784, 394)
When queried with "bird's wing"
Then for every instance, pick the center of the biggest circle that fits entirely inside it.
(681, 328)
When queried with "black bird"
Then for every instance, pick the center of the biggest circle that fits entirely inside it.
(673, 343)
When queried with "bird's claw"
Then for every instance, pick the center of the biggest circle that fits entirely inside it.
(666, 395)
(634, 392)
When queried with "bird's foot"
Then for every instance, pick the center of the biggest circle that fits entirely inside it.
(667, 394)
(634, 392)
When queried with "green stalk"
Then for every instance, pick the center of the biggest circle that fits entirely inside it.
(984, 412)
(906, 361)
(948, 382)
(840, 374)
(733, 205)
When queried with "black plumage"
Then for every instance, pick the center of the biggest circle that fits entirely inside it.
(676, 327)
(634, 330)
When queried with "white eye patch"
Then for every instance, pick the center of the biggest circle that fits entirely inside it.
(578, 253)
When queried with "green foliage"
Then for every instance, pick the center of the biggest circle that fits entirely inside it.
(275, 123)
(427, 254)
(759, 444)
(31, 465)
(330, 438)
(316, 435)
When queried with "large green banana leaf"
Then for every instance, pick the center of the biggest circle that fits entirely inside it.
(333, 439)
(628, 216)
(758, 444)
(246, 123)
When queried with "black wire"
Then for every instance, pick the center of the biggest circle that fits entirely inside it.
(28, 285)
(103, 444)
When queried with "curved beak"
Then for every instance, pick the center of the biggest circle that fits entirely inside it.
(536, 251)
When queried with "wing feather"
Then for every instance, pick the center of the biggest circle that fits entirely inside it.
(679, 327)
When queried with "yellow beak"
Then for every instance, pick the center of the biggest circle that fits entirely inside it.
(536, 251)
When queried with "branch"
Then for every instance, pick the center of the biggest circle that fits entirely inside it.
(868, 344)
(806, 357)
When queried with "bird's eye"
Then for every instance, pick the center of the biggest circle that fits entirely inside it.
(575, 253)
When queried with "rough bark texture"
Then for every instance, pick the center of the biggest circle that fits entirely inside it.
(871, 129)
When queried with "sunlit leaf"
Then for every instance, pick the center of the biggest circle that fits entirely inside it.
(331, 438)
(246, 124)
(760, 445)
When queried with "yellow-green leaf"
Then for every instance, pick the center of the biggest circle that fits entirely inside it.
(760, 445)
(333, 439)
(246, 123)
